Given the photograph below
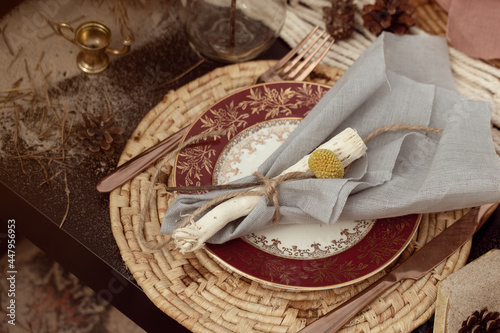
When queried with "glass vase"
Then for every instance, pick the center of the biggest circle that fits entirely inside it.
(233, 30)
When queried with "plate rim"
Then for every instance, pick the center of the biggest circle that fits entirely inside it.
(326, 287)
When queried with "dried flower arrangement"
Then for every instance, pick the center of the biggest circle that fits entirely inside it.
(327, 161)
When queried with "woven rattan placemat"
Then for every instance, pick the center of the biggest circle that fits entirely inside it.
(200, 294)
(203, 296)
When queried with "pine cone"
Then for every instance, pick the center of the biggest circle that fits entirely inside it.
(483, 321)
(339, 18)
(388, 15)
(99, 134)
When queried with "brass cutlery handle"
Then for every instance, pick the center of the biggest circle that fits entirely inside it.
(337, 318)
(485, 212)
(420, 264)
(132, 167)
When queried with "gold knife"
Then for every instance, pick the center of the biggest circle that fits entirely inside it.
(415, 267)
(138, 163)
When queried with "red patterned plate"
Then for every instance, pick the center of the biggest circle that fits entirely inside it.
(299, 256)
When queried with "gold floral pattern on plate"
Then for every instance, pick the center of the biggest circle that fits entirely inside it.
(285, 243)
(276, 102)
(246, 151)
(359, 262)
(195, 160)
(385, 243)
(227, 118)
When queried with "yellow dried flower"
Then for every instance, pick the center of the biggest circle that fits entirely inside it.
(325, 164)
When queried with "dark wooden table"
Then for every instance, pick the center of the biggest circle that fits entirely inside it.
(85, 244)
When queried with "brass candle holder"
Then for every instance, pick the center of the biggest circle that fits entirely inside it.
(93, 39)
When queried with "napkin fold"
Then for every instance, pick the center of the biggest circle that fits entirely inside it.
(397, 80)
(473, 27)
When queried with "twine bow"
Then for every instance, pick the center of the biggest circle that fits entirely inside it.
(268, 187)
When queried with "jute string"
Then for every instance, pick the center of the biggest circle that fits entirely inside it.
(155, 246)
(268, 186)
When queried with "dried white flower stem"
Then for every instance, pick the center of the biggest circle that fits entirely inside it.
(347, 145)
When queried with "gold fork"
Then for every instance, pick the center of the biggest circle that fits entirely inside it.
(285, 69)
(295, 70)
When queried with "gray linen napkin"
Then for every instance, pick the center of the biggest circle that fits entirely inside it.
(398, 79)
